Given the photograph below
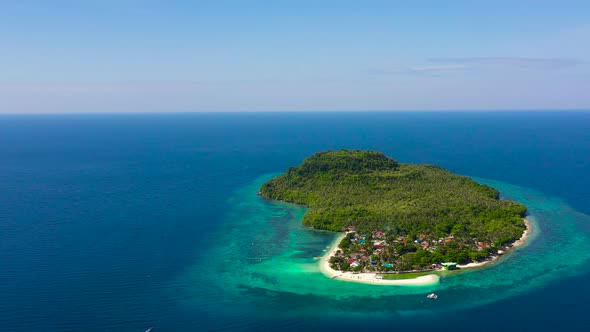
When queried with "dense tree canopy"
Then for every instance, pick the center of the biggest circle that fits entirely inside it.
(375, 193)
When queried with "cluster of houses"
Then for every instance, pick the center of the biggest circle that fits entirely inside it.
(367, 249)
(378, 239)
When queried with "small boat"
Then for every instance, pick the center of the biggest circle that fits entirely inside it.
(432, 296)
(150, 329)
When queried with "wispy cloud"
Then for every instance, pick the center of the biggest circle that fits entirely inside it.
(437, 66)
(420, 70)
(523, 62)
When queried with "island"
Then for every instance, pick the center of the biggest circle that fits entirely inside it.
(398, 218)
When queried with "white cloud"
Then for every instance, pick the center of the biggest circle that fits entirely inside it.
(525, 62)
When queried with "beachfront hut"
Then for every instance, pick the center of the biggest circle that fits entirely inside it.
(449, 265)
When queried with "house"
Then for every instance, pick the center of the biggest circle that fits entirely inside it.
(449, 265)
(379, 234)
(481, 245)
(355, 264)
(350, 261)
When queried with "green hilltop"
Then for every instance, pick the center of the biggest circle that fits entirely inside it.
(409, 203)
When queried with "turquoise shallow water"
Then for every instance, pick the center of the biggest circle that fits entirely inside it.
(263, 249)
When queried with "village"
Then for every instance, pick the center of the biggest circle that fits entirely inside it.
(377, 251)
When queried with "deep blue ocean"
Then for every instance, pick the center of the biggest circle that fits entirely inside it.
(107, 221)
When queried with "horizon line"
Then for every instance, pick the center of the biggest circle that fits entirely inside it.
(521, 110)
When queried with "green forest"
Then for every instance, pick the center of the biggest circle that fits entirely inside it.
(408, 204)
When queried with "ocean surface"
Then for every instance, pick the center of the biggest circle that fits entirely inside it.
(122, 222)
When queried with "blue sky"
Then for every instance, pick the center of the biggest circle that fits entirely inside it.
(159, 56)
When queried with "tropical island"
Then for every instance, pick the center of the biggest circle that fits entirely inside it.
(398, 217)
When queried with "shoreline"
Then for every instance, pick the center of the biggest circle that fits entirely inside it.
(429, 279)
(518, 243)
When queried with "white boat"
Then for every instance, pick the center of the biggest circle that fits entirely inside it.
(150, 329)
(432, 296)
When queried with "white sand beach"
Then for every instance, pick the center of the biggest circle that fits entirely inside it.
(525, 234)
